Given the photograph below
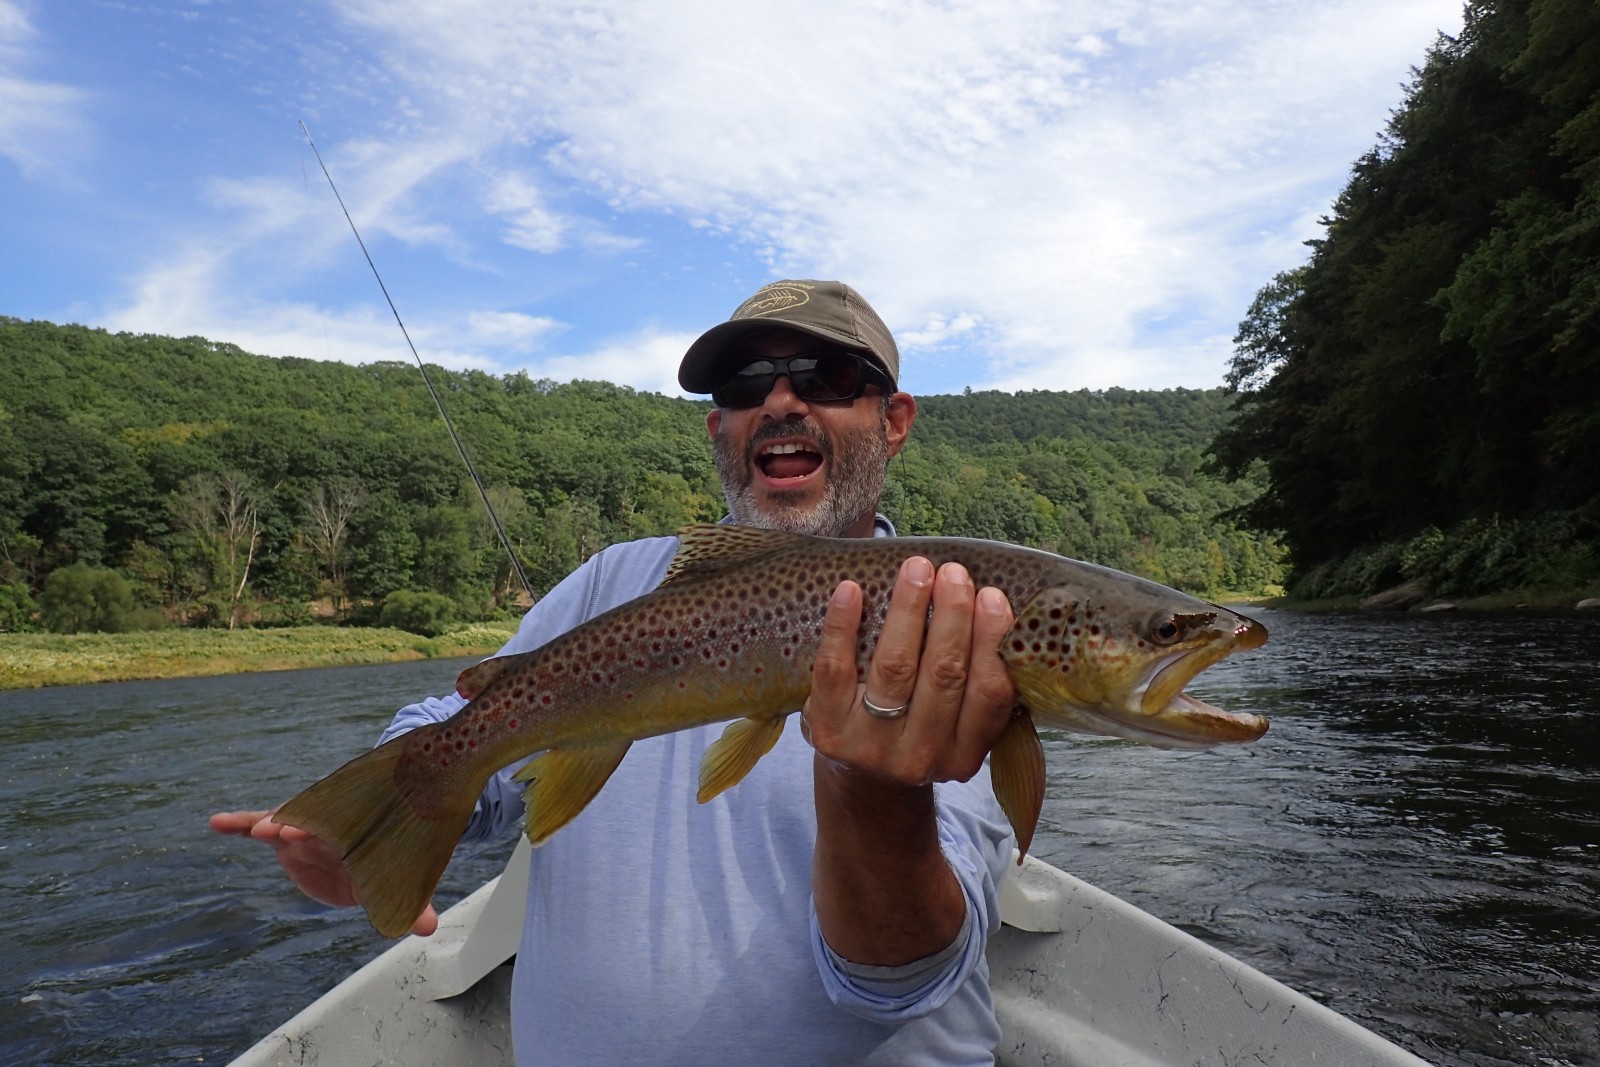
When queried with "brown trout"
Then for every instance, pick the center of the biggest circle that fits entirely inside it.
(730, 634)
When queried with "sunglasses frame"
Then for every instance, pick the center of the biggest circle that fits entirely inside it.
(869, 373)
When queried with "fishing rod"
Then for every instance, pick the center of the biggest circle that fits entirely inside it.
(438, 401)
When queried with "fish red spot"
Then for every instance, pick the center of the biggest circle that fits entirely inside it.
(546, 700)
(512, 724)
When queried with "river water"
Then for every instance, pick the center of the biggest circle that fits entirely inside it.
(1416, 843)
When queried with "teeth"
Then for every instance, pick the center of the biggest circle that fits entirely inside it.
(785, 449)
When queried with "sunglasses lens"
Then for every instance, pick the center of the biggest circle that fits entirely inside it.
(828, 375)
(747, 386)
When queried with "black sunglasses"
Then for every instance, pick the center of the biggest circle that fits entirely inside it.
(818, 376)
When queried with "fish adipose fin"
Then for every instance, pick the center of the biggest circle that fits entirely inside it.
(1016, 768)
(730, 757)
(561, 782)
(393, 853)
(480, 676)
(708, 547)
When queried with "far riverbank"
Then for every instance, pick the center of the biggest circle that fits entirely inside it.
(1543, 600)
(29, 661)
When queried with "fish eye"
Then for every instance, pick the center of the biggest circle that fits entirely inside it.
(1164, 630)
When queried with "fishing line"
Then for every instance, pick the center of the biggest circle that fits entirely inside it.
(438, 402)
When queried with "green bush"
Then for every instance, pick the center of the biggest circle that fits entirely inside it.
(16, 608)
(428, 614)
(80, 598)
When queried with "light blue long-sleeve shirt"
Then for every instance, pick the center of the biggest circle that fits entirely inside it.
(664, 931)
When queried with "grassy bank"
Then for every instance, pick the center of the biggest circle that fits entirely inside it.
(31, 660)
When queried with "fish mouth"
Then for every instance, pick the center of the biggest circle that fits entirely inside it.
(1174, 718)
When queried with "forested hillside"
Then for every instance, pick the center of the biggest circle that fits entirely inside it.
(1425, 390)
(189, 480)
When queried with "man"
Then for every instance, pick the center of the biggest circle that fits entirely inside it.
(834, 906)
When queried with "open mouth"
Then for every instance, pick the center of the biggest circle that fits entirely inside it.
(1179, 718)
(787, 461)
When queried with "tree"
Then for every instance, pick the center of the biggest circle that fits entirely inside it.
(222, 513)
(79, 598)
(329, 508)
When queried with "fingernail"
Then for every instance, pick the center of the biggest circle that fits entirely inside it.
(918, 571)
(842, 595)
(992, 600)
(956, 574)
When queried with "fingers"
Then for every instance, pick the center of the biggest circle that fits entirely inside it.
(238, 823)
(940, 669)
(988, 697)
(892, 676)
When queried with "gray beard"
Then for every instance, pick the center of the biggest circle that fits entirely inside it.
(856, 473)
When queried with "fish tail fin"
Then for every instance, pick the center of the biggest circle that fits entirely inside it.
(1016, 769)
(393, 852)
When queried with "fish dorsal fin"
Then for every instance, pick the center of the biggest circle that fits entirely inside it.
(708, 547)
(477, 678)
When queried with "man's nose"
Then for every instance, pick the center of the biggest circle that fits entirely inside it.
(782, 401)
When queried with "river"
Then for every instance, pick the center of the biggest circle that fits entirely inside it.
(1416, 843)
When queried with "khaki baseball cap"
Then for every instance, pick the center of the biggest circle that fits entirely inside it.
(830, 310)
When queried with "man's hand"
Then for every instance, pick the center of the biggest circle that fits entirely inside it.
(312, 864)
(954, 686)
(883, 891)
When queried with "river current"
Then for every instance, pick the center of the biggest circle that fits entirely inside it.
(1415, 843)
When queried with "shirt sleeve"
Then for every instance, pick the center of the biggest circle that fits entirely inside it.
(977, 843)
(558, 611)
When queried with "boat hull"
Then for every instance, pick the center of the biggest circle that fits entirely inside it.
(1081, 978)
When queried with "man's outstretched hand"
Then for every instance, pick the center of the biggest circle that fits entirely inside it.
(311, 863)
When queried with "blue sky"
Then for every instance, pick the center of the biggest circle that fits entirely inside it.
(1035, 195)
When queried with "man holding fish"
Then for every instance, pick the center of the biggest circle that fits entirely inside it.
(833, 908)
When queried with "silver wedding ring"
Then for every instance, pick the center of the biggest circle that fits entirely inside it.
(880, 711)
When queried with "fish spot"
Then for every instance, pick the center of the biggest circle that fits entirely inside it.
(513, 723)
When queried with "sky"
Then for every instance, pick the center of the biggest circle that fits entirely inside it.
(1034, 195)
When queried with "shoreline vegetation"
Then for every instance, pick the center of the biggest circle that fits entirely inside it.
(1505, 600)
(34, 660)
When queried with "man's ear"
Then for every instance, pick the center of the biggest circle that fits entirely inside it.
(713, 420)
(897, 420)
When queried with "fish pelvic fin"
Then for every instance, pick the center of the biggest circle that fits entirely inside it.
(707, 547)
(1016, 769)
(561, 782)
(731, 756)
(393, 852)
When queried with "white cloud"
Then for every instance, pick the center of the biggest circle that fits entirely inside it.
(1089, 181)
(41, 124)
(647, 360)
(530, 224)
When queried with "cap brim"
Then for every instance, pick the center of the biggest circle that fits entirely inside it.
(698, 371)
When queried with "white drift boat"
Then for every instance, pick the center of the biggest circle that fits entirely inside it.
(1080, 978)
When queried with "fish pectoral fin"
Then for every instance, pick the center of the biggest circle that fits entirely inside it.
(731, 756)
(480, 676)
(561, 782)
(1016, 768)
